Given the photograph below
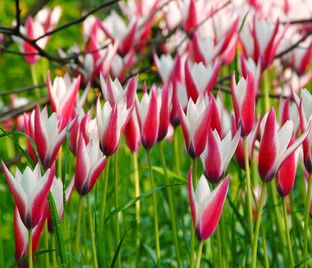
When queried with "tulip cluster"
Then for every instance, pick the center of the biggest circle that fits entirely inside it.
(218, 90)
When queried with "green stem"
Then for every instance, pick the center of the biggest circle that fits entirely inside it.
(171, 206)
(265, 251)
(176, 152)
(256, 236)
(103, 206)
(117, 229)
(30, 253)
(54, 255)
(219, 248)
(155, 209)
(290, 253)
(306, 219)
(46, 244)
(92, 232)
(249, 191)
(199, 253)
(34, 74)
(77, 240)
(137, 193)
(194, 176)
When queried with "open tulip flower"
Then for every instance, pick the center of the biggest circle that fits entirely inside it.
(206, 206)
(195, 124)
(274, 150)
(89, 165)
(30, 190)
(63, 95)
(200, 79)
(114, 93)
(111, 122)
(46, 133)
(218, 153)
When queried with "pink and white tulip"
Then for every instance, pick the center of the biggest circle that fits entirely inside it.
(30, 190)
(274, 146)
(244, 101)
(111, 122)
(206, 206)
(195, 124)
(217, 154)
(63, 95)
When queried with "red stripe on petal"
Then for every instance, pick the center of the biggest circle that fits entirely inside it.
(40, 136)
(191, 89)
(248, 106)
(151, 124)
(213, 161)
(212, 213)
(267, 150)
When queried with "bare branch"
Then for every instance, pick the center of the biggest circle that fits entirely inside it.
(18, 15)
(76, 21)
(292, 47)
(19, 90)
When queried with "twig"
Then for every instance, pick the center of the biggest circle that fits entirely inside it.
(18, 15)
(76, 21)
(299, 21)
(20, 110)
(19, 90)
(292, 47)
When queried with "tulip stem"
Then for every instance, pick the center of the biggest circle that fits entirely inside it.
(171, 206)
(30, 261)
(291, 257)
(46, 244)
(92, 232)
(265, 251)
(248, 183)
(306, 219)
(176, 152)
(219, 248)
(78, 227)
(54, 255)
(117, 229)
(194, 176)
(199, 253)
(256, 236)
(103, 206)
(137, 193)
(155, 209)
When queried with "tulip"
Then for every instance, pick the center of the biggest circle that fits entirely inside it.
(195, 124)
(21, 238)
(285, 177)
(111, 122)
(113, 92)
(262, 40)
(274, 150)
(305, 112)
(164, 118)
(49, 18)
(200, 79)
(30, 191)
(148, 112)
(243, 97)
(58, 197)
(46, 133)
(248, 65)
(90, 163)
(206, 206)
(133, 132)
(217, 154)
(115, 28)
(63, 96)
